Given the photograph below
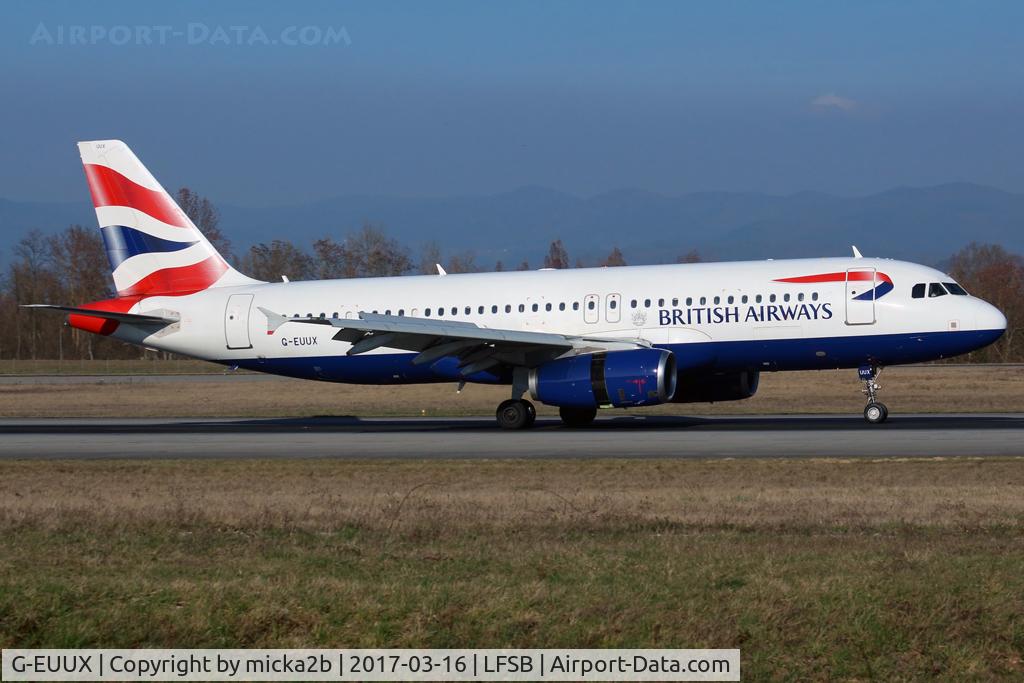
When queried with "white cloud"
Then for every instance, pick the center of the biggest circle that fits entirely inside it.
(831, 101)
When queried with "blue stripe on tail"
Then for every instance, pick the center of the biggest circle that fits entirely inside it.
(123, 242)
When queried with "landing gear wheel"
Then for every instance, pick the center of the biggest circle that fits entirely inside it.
(515, 414)
(577, 417)
(876, 413)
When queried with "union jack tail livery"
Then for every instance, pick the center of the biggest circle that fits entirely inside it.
(153, 247)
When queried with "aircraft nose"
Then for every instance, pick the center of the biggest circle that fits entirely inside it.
(990, 318)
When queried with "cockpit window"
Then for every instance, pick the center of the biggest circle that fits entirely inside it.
(935, 289)
(956, 289)
(918, 291)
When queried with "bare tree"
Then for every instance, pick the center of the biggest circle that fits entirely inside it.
(499, 266)
(374, 254)
(994, 274)
(430, 256)
(464, 262)
(525, 265)
(615, 258)
(80, 263)
(692, 256)
(33, 282)
(332, 260)
(557, 256)
(280, 257)
(206, 217)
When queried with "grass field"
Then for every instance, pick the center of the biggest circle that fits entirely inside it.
(905, 389)
(850, 570)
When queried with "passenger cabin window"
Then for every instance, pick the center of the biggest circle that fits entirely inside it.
(522, 308)
(918, 291)
(561, 306)
(675, 302)
(612, 304)
(427, 313)
(467, 310)
(575, 305)
(661, 303)
(547, 307)
(814, 296)
(494, 309)
(955, 289)
(758, 298)
(647, 303)
(771, 298)
(480, 310)
(935, 289)
(632, 304)
(730, 300)
(508, 308)
(590, 305)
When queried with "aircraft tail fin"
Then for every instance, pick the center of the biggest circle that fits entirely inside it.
(153, 247)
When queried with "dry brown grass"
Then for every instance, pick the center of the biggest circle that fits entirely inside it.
(321, 495)
(851, 570)
(905, 389)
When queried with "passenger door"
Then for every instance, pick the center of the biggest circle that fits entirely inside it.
(236, 321)
(860, 296)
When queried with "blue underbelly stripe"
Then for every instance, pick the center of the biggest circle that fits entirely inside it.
(815, 353)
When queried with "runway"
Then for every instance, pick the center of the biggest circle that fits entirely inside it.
(774, 436)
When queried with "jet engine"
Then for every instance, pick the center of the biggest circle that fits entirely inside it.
(641, 377)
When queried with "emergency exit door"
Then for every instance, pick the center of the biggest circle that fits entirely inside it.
(236, 321)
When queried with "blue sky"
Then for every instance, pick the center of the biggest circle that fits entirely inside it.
(478, 97)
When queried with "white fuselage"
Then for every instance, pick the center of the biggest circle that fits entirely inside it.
(713, 316)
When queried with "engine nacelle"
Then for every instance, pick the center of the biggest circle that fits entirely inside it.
(641, 377)
(711, 387)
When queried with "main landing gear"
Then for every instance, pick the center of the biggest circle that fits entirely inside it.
(875, 411)
(516, 413)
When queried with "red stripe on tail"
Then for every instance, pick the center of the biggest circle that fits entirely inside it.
(179, 281)
(110, 188)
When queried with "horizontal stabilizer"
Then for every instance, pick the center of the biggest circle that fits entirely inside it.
(130, 318)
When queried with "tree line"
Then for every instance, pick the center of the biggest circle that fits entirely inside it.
(71, 268)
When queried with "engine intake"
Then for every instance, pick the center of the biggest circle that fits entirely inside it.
(641, 377)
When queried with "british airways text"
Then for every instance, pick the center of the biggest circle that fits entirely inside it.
(734, 314)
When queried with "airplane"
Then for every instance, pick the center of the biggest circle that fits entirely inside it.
(579, 339)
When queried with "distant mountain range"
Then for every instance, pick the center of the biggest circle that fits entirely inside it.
(923, 224)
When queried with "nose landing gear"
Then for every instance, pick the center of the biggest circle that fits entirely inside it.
(875, 411)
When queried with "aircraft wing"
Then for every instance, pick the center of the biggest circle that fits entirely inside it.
(478, 348)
